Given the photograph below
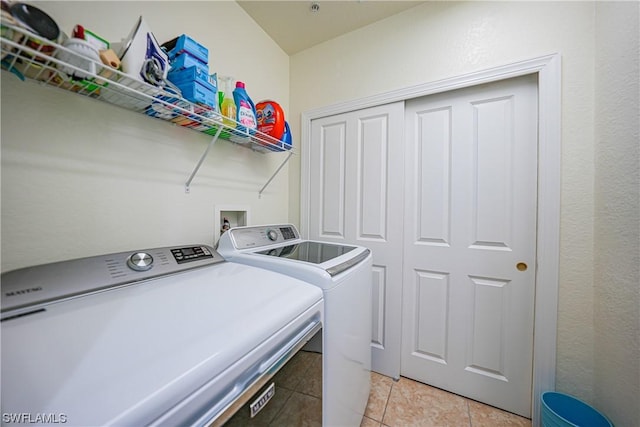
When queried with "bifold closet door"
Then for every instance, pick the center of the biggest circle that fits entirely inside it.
(356, 196)
(470, 241)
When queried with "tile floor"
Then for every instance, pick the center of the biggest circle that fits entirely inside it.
(408, 403)
(403, 403)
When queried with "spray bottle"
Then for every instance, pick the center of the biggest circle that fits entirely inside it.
(227, 104)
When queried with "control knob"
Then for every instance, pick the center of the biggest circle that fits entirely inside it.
(140, 261)
(272, 235)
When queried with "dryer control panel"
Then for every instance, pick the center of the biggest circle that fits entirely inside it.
(259, 236)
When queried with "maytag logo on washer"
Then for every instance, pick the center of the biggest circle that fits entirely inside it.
(262, 400)
(22, 291)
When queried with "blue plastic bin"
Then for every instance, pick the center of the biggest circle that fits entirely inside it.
(199, 92)
(186, 44)
(184, 60)
(188, 75)
(562, 410)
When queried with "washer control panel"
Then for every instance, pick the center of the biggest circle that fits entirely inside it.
(31, 288)
(258, 236)
(190, 254)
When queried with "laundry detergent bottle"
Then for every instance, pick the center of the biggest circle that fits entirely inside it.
(228, 106)
(246, 110)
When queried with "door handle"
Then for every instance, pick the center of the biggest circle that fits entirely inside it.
(522, 266)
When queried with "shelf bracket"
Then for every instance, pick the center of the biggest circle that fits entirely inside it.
(187, 185)
(274, 174)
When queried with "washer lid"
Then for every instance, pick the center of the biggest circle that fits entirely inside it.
(322, 254)
(126, 355)
(307, 251)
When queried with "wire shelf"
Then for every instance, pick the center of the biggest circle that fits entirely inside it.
(32, 57)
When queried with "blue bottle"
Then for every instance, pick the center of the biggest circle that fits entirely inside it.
(246, 110)
(287, 141)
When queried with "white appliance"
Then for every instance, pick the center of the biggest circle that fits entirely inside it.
(167, 336)
(344, 274)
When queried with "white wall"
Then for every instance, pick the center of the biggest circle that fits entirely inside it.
(617, 212)
(444, 39)
(81, 177)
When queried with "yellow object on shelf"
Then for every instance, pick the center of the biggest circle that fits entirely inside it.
(109, 57)
(228, 106)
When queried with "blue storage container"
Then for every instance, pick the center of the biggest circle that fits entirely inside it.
(562, 410)
(198, 92)
(184, 60)
(188, 75)
(186, 44)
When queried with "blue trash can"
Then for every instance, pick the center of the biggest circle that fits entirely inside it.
(562, 410)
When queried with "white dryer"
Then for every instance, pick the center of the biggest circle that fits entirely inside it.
(344, 273)
(165, 336)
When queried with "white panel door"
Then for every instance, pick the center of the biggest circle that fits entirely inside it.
(356, 196)
(469, 251)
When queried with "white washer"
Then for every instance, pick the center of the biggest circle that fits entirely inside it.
(167, 336)
(344, 274)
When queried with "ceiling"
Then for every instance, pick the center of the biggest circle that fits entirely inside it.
(294, 26)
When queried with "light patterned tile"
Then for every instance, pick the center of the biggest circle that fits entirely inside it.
(487, 416)
(295, 370)
(414, 404)
(368, 422)
(380, 389)
(300, 410)
(311, 382)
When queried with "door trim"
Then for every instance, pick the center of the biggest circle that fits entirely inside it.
(548, 70)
